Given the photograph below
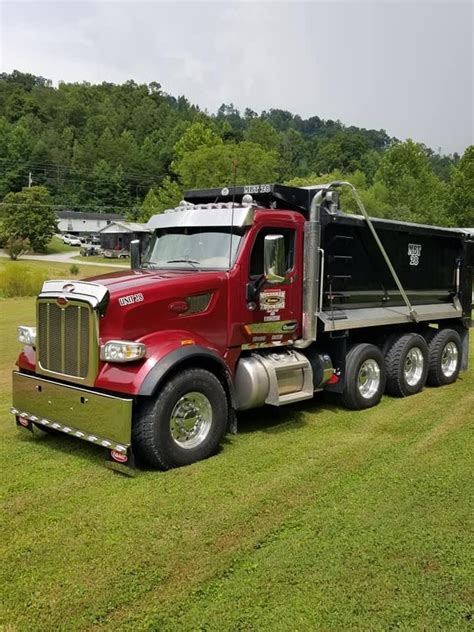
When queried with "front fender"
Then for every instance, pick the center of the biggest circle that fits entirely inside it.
(164, 351)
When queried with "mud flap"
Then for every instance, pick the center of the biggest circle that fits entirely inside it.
(232, 422)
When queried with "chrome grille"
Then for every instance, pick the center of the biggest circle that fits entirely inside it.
(64, 338)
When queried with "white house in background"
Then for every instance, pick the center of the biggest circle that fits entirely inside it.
(84, 223)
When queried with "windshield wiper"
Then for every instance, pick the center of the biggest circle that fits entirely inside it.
(146, 264)
(190, 261)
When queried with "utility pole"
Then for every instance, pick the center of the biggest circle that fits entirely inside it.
(30, 180)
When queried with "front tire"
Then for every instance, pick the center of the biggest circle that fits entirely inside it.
(184, 423)
(364, 381)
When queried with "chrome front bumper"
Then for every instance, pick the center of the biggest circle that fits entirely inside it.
(102, 419)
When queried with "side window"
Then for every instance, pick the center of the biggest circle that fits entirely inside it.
(256, 258)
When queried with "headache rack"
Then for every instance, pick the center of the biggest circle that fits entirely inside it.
(272, 196)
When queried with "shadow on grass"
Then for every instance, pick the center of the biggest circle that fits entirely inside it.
(268, 419)
(285, 419)
(66, 444)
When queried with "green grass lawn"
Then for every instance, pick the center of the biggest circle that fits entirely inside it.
(56, 245)
(54, 270)
(311, 518)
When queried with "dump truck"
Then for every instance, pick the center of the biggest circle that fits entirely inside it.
(245, 296)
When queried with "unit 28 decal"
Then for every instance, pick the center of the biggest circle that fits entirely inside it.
(414, 252)
(130, 299)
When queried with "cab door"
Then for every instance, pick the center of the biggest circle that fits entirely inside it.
(271, 311)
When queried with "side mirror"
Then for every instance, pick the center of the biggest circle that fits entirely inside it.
(135, 254)
(274, 258)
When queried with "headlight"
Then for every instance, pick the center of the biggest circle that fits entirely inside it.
(122, 351)
(27, 335)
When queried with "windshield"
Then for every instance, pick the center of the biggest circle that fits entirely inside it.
(199, 248)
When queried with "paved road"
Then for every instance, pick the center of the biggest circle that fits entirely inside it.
(63, 257)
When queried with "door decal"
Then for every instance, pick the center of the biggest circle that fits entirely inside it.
(272, 300)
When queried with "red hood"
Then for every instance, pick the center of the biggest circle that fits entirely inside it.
(134, 280)
(149, 294)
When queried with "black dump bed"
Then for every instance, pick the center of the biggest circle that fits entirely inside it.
(433, 264)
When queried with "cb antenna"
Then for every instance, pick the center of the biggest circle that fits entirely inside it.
(235, 164)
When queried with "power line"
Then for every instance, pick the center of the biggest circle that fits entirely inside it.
(142, 183)
(134, 175)
(71, 206)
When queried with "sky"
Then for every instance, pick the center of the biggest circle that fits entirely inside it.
(404, 66)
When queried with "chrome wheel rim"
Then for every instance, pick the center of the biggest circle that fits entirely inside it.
(413, 366)
(449, 359)
(368, 379)
(191, 420)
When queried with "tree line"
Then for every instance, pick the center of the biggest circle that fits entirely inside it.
(133, 149)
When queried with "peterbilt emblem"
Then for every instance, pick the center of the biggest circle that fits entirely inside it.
(62, 301)
(118, 456)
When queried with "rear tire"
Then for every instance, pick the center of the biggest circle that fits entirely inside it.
(184, 423)
(365, 377)
(445, 353)
(407, 365)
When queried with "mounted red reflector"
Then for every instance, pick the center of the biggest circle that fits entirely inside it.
(334, 379)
